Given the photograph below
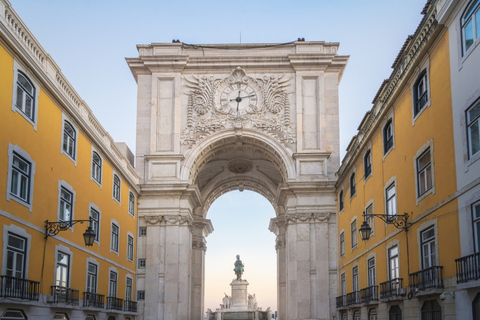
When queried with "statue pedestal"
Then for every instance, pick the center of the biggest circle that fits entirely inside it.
(239, 295)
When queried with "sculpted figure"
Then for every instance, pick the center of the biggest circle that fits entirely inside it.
(226, 301)
(238, 268)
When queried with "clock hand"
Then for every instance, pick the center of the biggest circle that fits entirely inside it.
(248, 96)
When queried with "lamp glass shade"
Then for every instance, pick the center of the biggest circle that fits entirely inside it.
(365, 231)
(89, 237)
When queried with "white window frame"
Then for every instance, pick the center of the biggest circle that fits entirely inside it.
(369, 209)
(20, 232)
(141, 263)
(132, 298)
(64, 185)
(110, 271)
(390, 183)
(422, 78)
(427, 147)
(96, 171)
(396, 258)
(476, 37)
(73, 141)
(354, 233)
(367, 159)
(343, 284)
(141, 233)
(115, 248)
(469, 124)
(341, 199)
(384, 151)
(16, 150)
(93, 262)
(130, 255)
(371, 272)
(427, 252)
(342, 243)
(93, 207)
(475, 210)
(65, 250)
(116, 188)
(131, 204)
(355, 279)
(353, 184)
(16, 69)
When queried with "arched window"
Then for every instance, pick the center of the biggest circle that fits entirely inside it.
(69, 138)
(420, 93)
(431, 310)
(367, 163)
(387, 136)
(116, 187)
(395, 313)
(470, 23)
(352, 185)
(25, 98)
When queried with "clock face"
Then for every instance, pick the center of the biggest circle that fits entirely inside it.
(238, 99)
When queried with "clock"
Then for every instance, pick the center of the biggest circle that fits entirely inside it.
(237, 99)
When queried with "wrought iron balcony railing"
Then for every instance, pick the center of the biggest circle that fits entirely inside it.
(468, 268)
(391, 288)
(11, 287)
(430, 278)
(94, 300)
(369, 294)
(130, 306)
(353, 298)
(341, 301)
(65, 295)
(114, 303)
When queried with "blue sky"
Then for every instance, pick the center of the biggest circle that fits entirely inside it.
(90, 39)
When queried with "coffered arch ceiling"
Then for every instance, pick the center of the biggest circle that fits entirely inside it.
(239, 162)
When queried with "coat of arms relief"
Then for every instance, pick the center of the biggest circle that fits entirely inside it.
(238, 101)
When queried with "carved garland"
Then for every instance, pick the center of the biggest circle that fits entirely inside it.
(170, 220)
(306, 217)
(271, 117)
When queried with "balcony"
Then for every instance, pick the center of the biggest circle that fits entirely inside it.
(130, 306)
(353, 298)
(93, 300)
(11, 287)
(430, 278)
(392, 289)
(369, 294)
(114, 303)
(64, 295)
(341, 301)
(468, 268)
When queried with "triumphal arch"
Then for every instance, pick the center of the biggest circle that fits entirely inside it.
(216, 118)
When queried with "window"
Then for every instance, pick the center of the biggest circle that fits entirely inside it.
(391, 201)
(340, 200)
(420, 93)
(130, 247)
(372, 314)
(424, 172)
(352, 185)
(370, 219)
(473, 128)
(112, 287)
(387, 136)
(476, 225)
(16, 256)
(355, 279)
(141, 295)
(116, 187)
(96, 167)
(356, 315)
(342, 244)
(62, 270)
(25, 96)
(431, 310)
(114, 239)
(142, 263)
(66, 205)
(393, 264)
(142, 232)
(95, 224)
(367, 164)
(428, 247)
(353, 227)
(343, 285)
(131, 204)
(91, 277)
(20, 173)
(69, 139)
(128, 289)
(470, 25)
(371, 272)
(395, 313)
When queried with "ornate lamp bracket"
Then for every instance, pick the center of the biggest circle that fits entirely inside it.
(53, 228)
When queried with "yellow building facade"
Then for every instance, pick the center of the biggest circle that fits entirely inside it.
(400, 171)
(59, 165)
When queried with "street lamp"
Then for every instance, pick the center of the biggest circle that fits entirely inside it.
(53, 228)
(398, 220)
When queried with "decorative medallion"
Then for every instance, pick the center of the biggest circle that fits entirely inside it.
(237, 101)
(240, 166)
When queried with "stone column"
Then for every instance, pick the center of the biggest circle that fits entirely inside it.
(277, 226)
(201, 229)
